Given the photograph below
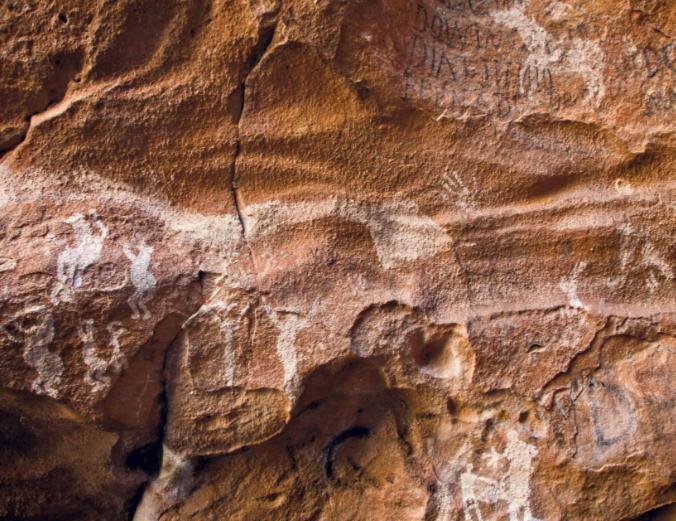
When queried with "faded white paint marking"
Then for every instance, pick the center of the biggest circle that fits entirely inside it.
(36, 341)
(513, 487)
(115, 330)
(493, 458)
(289, 325)
(7, 264)
(456, 187)
(637, 251)
(227, 325)
(400, 233)
(520, 455)
(72, 261)
(444, 500)
(578, 56)
(97, 376)
(570, 286)
(141, 278)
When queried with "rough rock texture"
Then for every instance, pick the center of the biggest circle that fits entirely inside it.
(337, 260)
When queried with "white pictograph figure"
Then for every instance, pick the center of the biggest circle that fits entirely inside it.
(36, 340)
(115, 330)
(142, 279)
(513, 487)
(97, 377)
(454, 185)
(74, 260)
(517, 487)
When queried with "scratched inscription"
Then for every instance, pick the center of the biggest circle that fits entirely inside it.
(456, 60)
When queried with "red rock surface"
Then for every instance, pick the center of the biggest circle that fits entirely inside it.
(337, 260)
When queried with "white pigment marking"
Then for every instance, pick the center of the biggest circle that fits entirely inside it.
(115, 330)
(98, 367)
(72, 261)
(454, 185)
(444, 500)
(582, 57)
(227, 324)
(228, 327)
(36, 341)
(513, 487)
(7, 264)
(289, 325)
(517, 484)
(142, 279)
(636, 250)
(570, 286)
(400, 233)
(96, 376)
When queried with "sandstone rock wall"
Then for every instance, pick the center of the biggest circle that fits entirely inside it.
(337, 260)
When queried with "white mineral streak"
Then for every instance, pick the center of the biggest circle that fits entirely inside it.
(141, 278)
(399, 231)
(576, 56)
(36, 341)
(73, 260)
(458, 189)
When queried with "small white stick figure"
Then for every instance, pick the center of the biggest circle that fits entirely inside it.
(143, 281)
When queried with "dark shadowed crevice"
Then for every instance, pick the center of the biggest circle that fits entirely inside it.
(329, 451)
(663, 513)
(148, 457)
(266, 33)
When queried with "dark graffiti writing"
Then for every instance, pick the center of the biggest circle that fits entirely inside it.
(454, 32)
(658, 60)
(458, 62)
(477, 6)
(658, 103)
